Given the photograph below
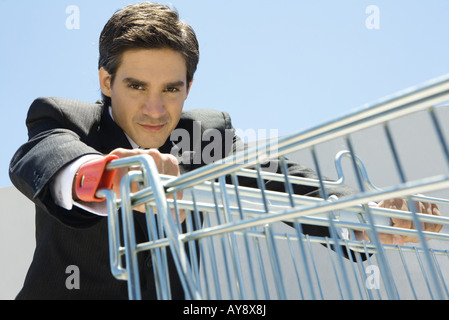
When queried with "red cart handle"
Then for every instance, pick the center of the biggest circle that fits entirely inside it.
(92, 177)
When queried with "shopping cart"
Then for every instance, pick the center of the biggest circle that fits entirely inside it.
(247, 243)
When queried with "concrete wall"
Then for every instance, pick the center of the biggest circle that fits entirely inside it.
(16, 240)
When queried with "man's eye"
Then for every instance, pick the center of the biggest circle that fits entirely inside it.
(136, 86)
(172, 89)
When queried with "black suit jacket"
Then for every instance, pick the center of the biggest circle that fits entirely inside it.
(62, 130)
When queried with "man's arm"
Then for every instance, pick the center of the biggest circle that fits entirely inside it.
(55, 140)
(62, 188)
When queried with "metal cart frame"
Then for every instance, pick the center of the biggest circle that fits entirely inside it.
(238, 252)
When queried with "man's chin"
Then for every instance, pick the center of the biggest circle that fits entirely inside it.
(153, 142)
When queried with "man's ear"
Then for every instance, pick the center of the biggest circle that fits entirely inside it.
(105, 82)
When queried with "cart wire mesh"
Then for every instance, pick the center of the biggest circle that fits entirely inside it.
(247, 243)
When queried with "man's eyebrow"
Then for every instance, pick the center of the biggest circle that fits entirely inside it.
(179, 83)
(134, 81)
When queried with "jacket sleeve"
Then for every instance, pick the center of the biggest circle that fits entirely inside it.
(54, 140)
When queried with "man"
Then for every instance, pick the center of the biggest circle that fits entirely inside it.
(147, 61)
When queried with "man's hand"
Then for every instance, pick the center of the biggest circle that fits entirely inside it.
(401, 204)
(166, 164)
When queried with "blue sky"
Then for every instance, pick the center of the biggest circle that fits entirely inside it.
(286, 65)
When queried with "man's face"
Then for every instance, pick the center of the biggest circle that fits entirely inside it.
(147, 94)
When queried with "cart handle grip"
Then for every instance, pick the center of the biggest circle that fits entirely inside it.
(94, 176)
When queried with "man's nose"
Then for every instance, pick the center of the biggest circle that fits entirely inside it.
(154, 106)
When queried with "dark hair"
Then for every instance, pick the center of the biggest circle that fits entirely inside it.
(146, 26)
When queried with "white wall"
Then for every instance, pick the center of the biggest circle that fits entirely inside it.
(16, 240)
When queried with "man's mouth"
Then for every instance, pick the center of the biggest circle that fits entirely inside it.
(152, 127)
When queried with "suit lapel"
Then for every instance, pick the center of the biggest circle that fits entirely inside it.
(111, 136)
